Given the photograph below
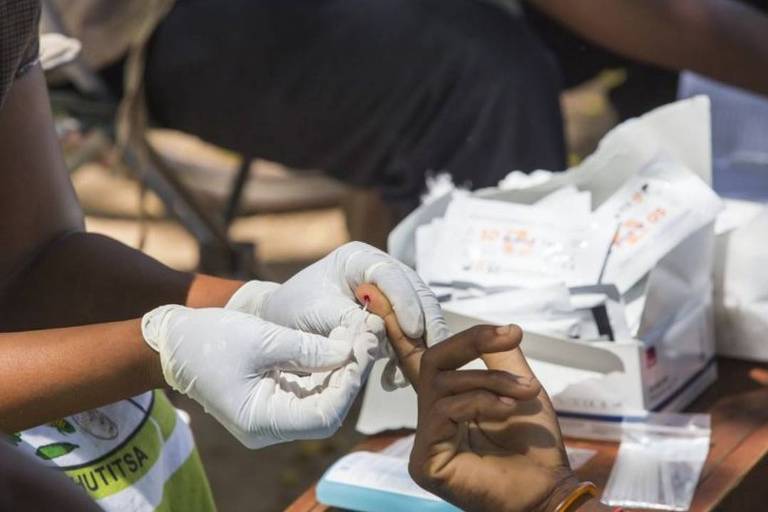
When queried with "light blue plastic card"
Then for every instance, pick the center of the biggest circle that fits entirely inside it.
(371, 482)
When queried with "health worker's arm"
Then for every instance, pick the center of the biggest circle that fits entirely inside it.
(723, 39)
(54, 275)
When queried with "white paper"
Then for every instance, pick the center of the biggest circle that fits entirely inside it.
(517, 180)
(499, 244)
(437, 187)
(503, 306)
(426, 237)
(385, 410)
(657, 209)
(741, 291)
(736, 213)
(378, 472)
(400, 448)
(546, 310)
(567, 201)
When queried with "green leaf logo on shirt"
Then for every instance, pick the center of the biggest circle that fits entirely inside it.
(54, 450)
(63, 426)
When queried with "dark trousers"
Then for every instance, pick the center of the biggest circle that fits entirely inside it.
(375, 92)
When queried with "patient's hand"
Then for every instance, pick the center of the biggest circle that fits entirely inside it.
(487, 440)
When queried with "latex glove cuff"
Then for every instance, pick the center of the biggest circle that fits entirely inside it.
(151, 325)
(250, 297)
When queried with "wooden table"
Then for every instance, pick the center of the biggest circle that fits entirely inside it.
(735, 476)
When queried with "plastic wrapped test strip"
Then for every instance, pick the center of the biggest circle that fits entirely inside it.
(659, 462)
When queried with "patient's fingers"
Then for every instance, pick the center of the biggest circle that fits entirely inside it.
(495, 345)
(511, 361)
(445, 417)
(408, 350)
(474, 405)
(454, 382)
(468, 345)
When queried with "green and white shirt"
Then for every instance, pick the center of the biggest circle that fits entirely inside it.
(133, 455)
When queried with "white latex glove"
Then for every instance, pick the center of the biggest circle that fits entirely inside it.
(321, 297)
(243, 370)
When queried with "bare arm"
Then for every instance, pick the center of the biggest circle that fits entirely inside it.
(52, 274)
(52, 373)
(85, 278)
(723, 39)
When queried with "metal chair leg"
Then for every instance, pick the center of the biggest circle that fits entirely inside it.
(236, 191)
(218, 254)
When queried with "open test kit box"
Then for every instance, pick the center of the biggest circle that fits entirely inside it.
(597, 385)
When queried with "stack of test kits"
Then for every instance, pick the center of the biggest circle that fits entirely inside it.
(606, 266)
(556, 266)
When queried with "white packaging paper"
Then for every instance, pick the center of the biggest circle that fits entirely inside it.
(498, 244)
(741, 290)
(655, 210)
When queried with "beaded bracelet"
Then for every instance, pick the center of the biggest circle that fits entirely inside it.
(581, 490)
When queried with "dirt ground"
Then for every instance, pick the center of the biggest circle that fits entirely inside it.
(269, 479)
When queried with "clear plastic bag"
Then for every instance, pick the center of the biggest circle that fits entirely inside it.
(659, 462)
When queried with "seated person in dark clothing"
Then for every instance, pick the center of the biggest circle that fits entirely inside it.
(380, 93)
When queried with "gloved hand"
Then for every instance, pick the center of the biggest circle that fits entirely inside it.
(242, 370)
(321, 297)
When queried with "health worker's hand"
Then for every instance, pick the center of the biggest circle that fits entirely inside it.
(321, 297)
(265, 383)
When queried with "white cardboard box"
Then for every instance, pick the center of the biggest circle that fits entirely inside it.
(596, 385)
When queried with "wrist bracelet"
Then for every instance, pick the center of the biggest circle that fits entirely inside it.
(581, 490)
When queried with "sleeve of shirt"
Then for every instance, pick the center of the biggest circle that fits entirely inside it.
(31, 53)
(19, 40)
